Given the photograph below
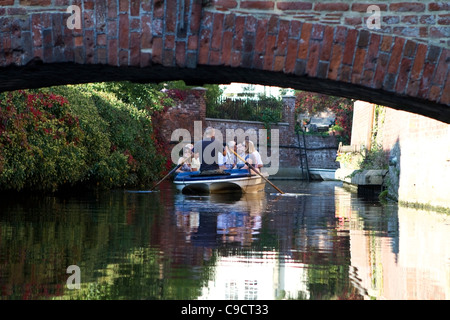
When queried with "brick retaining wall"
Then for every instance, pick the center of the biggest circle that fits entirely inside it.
(419, 149)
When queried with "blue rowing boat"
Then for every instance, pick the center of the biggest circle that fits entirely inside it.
(235, 180)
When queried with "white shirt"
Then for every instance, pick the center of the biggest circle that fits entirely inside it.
(195, 163)
(256, 158)
(239, 161)
(221, 159)
(230, 158)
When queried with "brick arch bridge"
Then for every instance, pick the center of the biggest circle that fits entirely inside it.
(333, 48)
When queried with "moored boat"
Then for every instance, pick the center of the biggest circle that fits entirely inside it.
(322, 174)
(235, 180)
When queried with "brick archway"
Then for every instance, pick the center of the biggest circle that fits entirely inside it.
(323, 47)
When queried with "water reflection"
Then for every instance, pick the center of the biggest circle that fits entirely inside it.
(396, 253)
(218, 219)
(325, 243)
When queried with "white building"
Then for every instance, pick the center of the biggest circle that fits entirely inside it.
(261, 277)
(236, 90)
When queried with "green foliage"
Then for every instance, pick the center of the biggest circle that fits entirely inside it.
(272, 109)
(140, 96)
(94, 127)
(111, 171)
(336, 128)
(311, 103)
(350, 160)
(78, 135)
(130, 131)
(375, 158)
(383, 196)
(212, 99)
(40, 141)
(265, 109)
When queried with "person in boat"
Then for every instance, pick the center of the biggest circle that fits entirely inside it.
(240, 150)
(209, 150)
(186, 159)
(195, 162)
(252, 156)
(221, 158)
(229, 158)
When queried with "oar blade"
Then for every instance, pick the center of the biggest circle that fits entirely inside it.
(289, 194)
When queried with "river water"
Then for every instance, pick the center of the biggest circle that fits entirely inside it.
(322, 243)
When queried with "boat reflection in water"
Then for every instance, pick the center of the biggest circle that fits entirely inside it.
(235, 218)
(236, 180)
(243, 267)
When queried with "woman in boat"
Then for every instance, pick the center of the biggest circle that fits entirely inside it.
(195, 158)
(252, 156)
(240, 150)
(195, 162)
(229, 160)
(186, 159)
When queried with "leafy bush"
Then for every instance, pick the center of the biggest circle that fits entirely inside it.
(76, 135)
(312, 103)
(40, 141)
(212, 99)
(376, 158)
(130, 131)
(265, 109)
(373, 159)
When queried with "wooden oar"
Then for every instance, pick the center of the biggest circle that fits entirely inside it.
(171, 171)
(257, 171)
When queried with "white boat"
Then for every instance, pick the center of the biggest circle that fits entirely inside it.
(322, 174)
(236, 180)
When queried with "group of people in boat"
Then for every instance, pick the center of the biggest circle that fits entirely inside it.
(223, 158)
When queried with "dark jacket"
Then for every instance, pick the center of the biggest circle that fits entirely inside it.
(209, 154)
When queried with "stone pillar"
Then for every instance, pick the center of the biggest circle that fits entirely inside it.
(189, 107)
(200, 92)
(289, 117)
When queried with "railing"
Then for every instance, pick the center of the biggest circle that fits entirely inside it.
(265, 109)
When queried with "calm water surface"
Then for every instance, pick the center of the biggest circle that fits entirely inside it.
(324, 243)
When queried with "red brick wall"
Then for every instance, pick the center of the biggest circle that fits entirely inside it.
(407, 57)
(188, 108)
(423, 155)
(362, 124)
(420, 173)
(428, 20)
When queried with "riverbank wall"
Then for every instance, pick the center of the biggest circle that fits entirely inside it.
(418, 150)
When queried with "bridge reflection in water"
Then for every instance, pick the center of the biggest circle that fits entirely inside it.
(325, 243)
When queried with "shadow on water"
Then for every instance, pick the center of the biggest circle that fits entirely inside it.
(167, 245)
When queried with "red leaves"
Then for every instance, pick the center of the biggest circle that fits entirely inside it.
(178, 94)
(25, 113)
(131, 161)
(314, 103)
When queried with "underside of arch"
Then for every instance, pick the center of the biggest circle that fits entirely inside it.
(43, 75)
